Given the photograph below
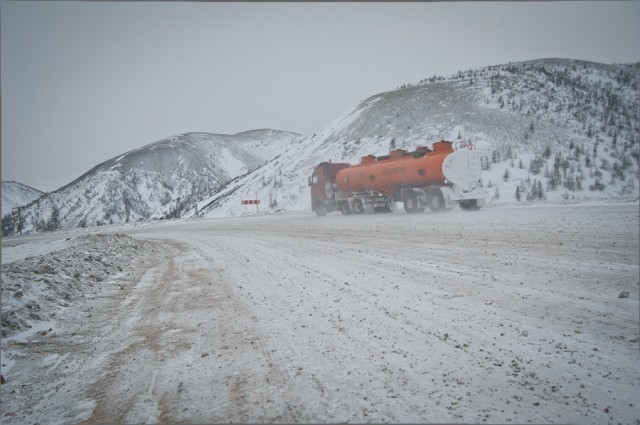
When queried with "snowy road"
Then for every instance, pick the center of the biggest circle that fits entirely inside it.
(502, 315)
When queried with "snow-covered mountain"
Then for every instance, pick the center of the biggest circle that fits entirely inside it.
(547, 129)
(153, 181)
(16, 194)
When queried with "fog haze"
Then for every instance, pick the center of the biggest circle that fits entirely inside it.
(83, 82)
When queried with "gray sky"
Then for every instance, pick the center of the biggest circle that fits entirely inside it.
(83, 82)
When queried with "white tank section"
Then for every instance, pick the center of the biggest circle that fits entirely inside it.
(462, 168)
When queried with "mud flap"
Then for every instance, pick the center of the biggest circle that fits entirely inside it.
(448, 194)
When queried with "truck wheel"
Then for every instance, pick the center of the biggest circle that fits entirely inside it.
(321, 209)
(410, 201)
(345, 208)
(436, 200)
(357, 207)
(470, 205)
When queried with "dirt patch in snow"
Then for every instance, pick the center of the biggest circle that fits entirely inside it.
(36, 289)
(53, 308)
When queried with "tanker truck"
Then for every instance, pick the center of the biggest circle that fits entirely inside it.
(438, 178)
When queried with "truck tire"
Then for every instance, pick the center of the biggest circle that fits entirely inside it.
(345, 208)
(321, 209)
(410, 201)
(436, 200)
(357, 207)
(470, 205)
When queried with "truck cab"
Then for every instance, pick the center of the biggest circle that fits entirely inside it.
(323, 186)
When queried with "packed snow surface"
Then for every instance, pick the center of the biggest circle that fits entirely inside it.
(511, 314)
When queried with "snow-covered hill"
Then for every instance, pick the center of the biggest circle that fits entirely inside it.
(16, 194)
(549, 129)
(153, 181)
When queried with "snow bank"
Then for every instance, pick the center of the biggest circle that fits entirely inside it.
(36, 289)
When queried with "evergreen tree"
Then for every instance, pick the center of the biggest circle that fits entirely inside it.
(540, 191)
(597, 186)
(485, 164)
(509, 154)
(8, 224)
(54, 220)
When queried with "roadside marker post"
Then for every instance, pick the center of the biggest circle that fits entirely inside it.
(255, 202)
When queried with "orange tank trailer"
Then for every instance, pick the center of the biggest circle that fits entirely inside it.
(398, 169)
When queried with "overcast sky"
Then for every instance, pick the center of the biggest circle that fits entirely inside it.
(83, 82)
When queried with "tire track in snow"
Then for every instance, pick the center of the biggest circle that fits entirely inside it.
(460, 314)
(428, 318)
